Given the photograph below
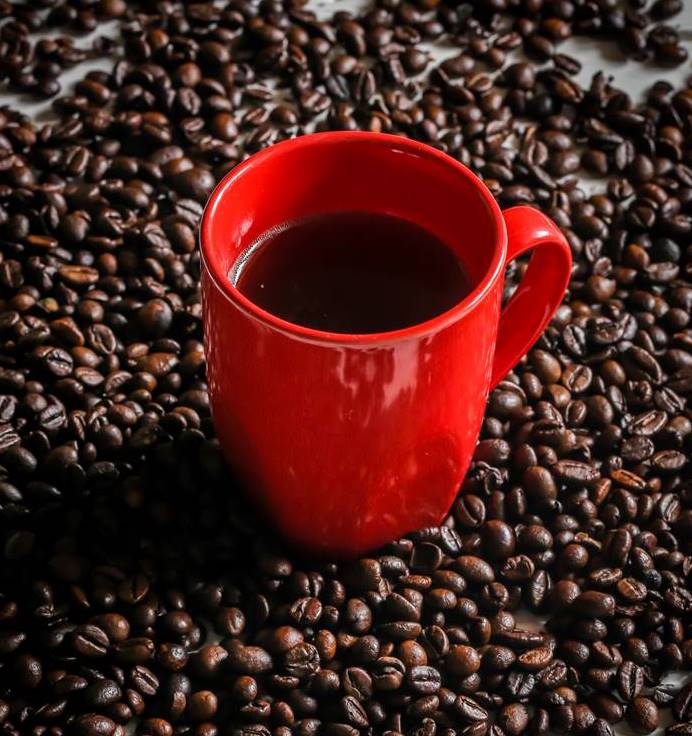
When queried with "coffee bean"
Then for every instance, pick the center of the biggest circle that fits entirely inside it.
(630, 680)
(499, 539)
(201, 705)
(101, 693)
(91, 724)
(357, 683)
(462, 660)
(535, 659)
(679, 729)
(607, 708)
(513, 719)
(539, 484)
(388, 674)
(469, 711)
(28, 671)
(172, 657)
(134, 651)
(474, 569)
(594, 604)
(574, 472)
(250, 660)
(144, 680)
(423, 680)
(642, 715)
(497, 658)
(682, 705)
(469, 511)
(90, 641)
(302, 660)
(157, 727)
(520, 75)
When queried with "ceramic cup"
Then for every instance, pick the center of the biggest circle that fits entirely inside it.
(347, 441)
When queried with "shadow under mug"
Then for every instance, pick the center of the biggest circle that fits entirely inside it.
(348, 441)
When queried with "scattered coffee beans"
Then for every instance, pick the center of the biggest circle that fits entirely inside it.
(137, 594)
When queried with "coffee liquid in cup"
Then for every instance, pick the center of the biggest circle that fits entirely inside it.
(351, 272)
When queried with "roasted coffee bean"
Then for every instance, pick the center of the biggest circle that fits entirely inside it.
(388, 674)
(497, 658)
(462, 660)
(91, 724)
(594, 604)
(101, 693)
(474, 569)
(469, 711)
(513, 719)
(134, 651)
(539, 484)
(607, 708)
(249, 660)
(115, 626)
(630, 680)
(90, 641)
(423, 680)
(302, 660)
(642, 715)
(144, 680)
(469, 511)
(201, 705)
(679, 729)
(682, 704)
(121, 541)
(499, 539)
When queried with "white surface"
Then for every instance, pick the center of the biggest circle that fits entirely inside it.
(631, 76)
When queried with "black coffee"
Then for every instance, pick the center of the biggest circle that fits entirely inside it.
(351, 272)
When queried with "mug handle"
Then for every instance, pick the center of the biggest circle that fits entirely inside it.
(540, 291)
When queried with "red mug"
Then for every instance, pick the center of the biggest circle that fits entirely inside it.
(348, 441)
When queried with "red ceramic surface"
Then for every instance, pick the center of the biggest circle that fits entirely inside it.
(348, 441)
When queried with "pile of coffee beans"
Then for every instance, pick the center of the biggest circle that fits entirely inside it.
(137, 593)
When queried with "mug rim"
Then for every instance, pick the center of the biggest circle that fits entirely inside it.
(470, 301)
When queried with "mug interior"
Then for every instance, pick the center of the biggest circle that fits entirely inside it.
(337, 172)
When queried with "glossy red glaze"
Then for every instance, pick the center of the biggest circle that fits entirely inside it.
(348, 441)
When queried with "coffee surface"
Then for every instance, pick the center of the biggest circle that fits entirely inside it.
(351, 272)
